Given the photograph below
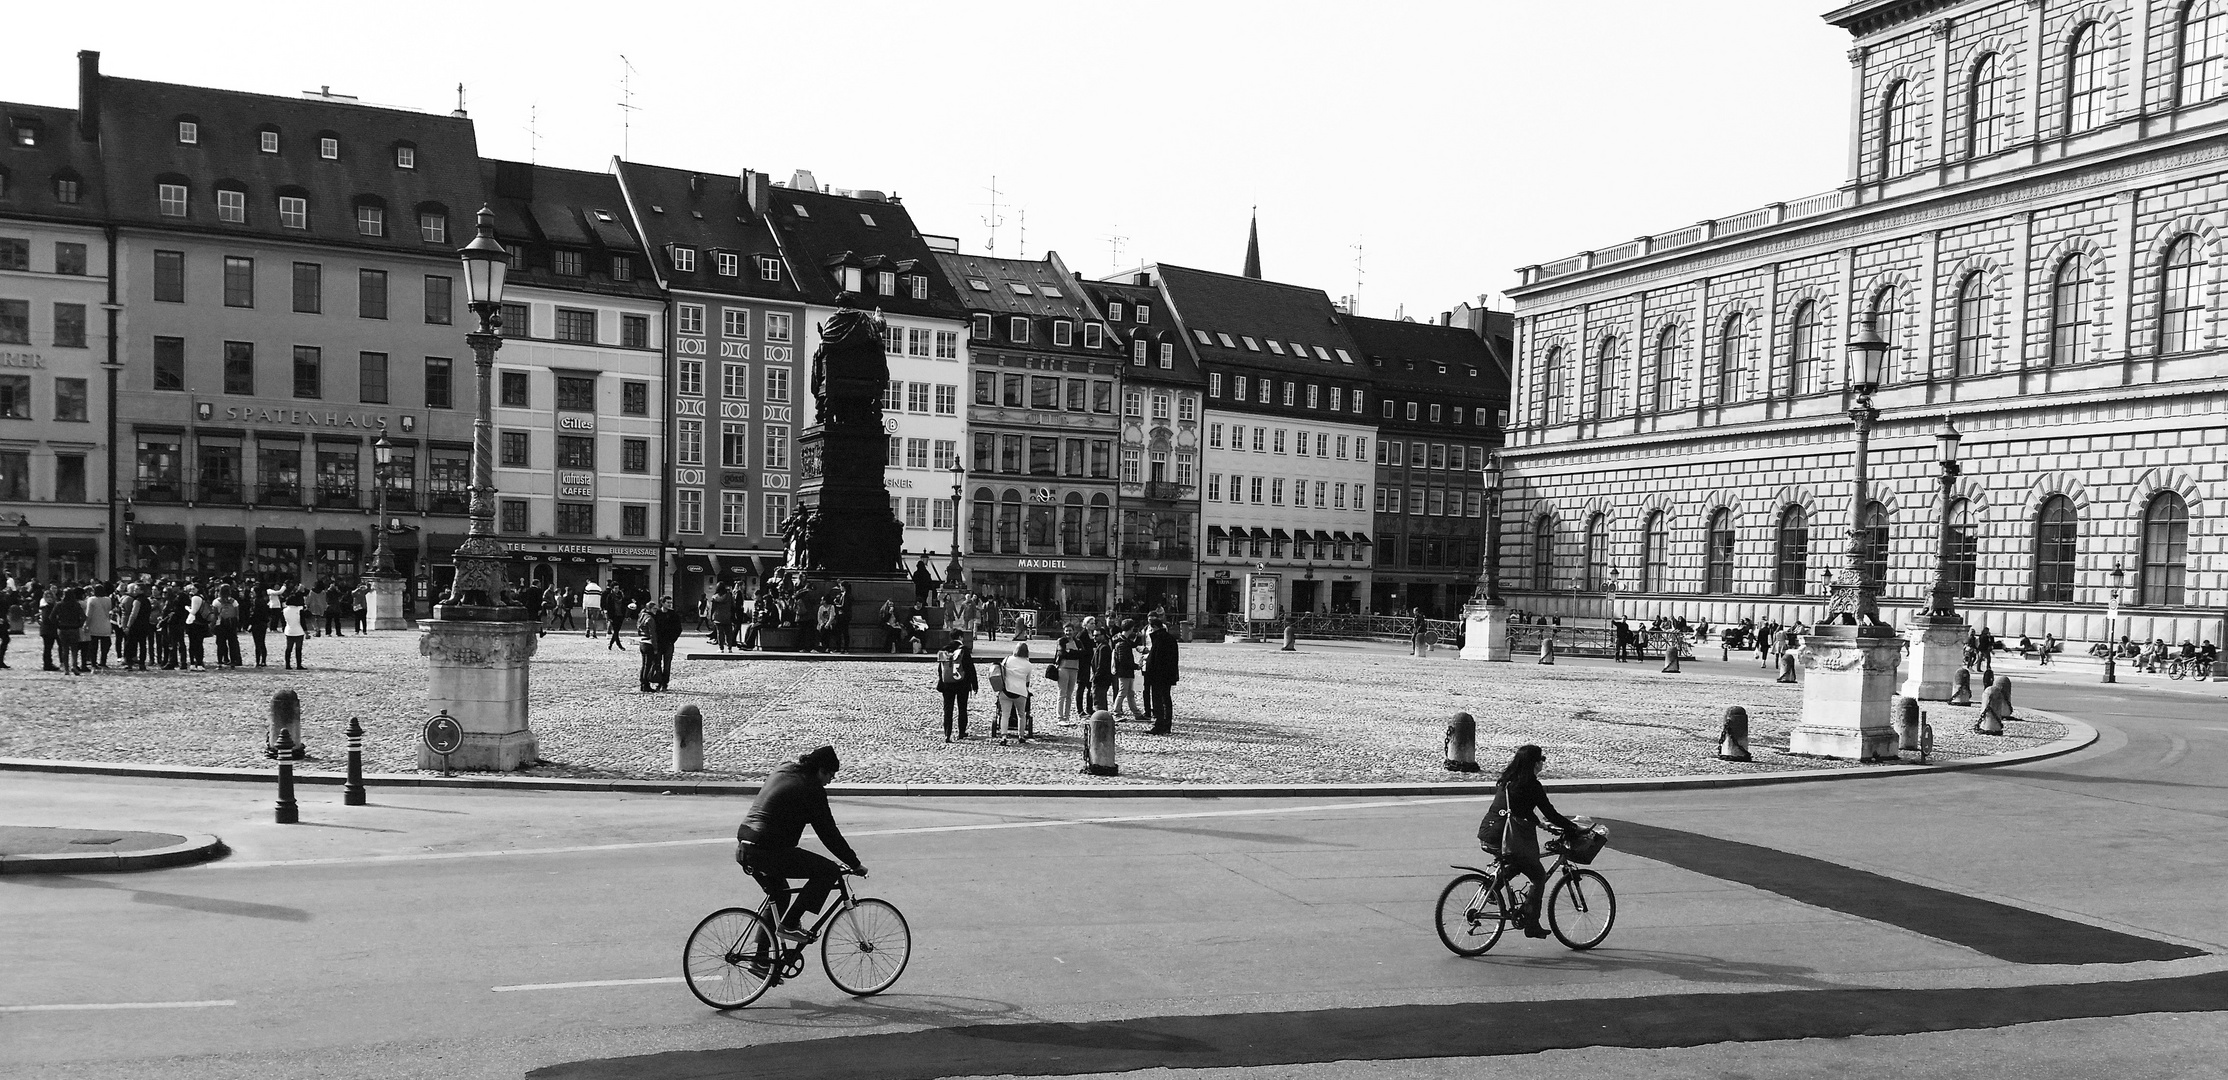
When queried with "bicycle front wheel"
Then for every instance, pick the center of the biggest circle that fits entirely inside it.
(865, 948)
(1582, 909)
(1470, 919)
(731, 958)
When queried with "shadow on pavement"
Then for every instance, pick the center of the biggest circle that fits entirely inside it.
(208, 904)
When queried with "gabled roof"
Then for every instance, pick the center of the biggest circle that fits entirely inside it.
(28, 173)
(818, 230)
(995, 285)
(140, 148)
(1413, 352)
(548, 209)
(708, 212)
(1241, 308)
(1161, 327)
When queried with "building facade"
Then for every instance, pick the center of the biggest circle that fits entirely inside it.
(1162, 395)
(1440, 394)
(2033, 221)
(57, 351)
(578, 383)
(1289, 435)
(1042, 431)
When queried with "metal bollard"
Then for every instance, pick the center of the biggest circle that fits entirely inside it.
(1098, 745)
(353, 793)
(286, 726)
(688, 739)
(1906, 717)
(1732, 738)
(1462, 743)
(288, 813)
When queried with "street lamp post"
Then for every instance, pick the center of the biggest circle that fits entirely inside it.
(2111, 624)
(479, 642)
(1937, 634)
(1485, 634)
(1850, 659)
(383, 605)
(953, 569)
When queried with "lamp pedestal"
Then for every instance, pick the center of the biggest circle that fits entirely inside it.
(1485, 631)
(1937, 644)
(1848, 689)
(478, 670)
(383, 605)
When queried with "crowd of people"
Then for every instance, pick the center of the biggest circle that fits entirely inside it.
(1096, 664)
(170, 623)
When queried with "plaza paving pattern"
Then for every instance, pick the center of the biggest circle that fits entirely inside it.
(1245, 714)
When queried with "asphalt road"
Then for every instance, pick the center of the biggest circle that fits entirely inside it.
(489, 935)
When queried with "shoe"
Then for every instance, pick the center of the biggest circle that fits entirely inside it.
(1536, 931)
(793, 936)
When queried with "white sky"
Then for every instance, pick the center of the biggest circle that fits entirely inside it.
(1453, 141)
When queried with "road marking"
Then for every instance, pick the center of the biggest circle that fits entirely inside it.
(2174, 753)
(580, 985)
(106, 1005)
(439, 856)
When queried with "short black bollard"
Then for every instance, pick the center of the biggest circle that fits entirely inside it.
(353, 793)
(1732, 737)
(1462, 743)
(288, 813)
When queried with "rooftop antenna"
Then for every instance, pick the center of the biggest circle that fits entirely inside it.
(533, 133)
(993, 219)
(1024, 224)
(459, 100)
(1355, 308)
(1114, 241)
(627, 106)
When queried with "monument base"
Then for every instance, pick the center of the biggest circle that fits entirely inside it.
(478, 674)
(1848, 680)
(383, 604)
(1937, 652)
(1485, 632)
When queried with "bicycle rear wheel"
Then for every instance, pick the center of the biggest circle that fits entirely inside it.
(1469, 916)
(865, 947)
(731, 958)
(1582, 909)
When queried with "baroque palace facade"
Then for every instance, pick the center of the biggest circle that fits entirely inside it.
(2034, 220)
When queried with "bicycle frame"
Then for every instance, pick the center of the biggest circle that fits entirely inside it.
(1556, 870)
(842, 901)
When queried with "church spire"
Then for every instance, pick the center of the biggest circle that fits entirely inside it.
(1253, 246)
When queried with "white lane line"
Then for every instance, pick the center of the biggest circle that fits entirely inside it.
(106, 1005)
(437, 856)
(2176, 751)
(580, 985)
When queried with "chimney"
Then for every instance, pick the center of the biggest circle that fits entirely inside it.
(88, 95)
(754, 190)
(1446, 318)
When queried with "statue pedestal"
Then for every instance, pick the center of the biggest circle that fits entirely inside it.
(1848, 678)
(1937, 652)
(839, 469)
(383, 604)
(478, 674)
(1485, 632)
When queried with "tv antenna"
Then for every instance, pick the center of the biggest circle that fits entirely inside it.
(533, 133)
(1355, 308)
(1114, 241)
(1024, 225)
(459, 99)
(627, 107)
(993, 219)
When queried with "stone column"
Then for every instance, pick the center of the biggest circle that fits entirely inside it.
(478, 672)
(383, 604)
(1937, 645)
(1848, 687)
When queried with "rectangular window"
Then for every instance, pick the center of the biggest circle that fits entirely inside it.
(1268, 386)
(916, 453)
(309, 371)
(576, 519)
(634, 455)
(371, 221)
(947, 344)
(437, 385)
(1259, 434)
(734, 446)
(684, 259)
(1278, 442)
(1214, 436)
(777, 386)
(893, 396)
(1439, 455)
(634, 520)
(895, 452)
(1043, 456)
(775, 513)
(1338, 496)
(69, 399)
(777, 446)
(1133, 465)
(371, 294)
(576, 451)
(1360, 452)
(566, 263)
(691, 378)
(69, 326)
(1416, 455)
(634, 399)
(690, 318)
(688, 510)
(1254, 490)
(15, 397)
(433, 226)
(769, 268)
(1311, 392)
(171, 199)
(518, 321)
(734, 513)
(293, 211)
(439, 305)
(947, 453)
(576, 393)
(1214, 384)
(514, 516)
(68, 258)
(1013, 392)
(1009, 453)
(734, 381)
(1436, 503)
(1415, 500)
(1214, 487)
(574, 324)
(634, 331)
(917, 397)
(916, 342)
(688, 442)
(239, 282)
(947, 399)
(1238, 384)
(735, 323)
(232, 206)
(622, 268)
(513, 389)
(514, 450)
(777, 326)
(371, 378)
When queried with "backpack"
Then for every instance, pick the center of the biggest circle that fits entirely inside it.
(1494, 827)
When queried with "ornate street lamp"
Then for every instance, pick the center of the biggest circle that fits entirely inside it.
(1855, 599)
(1943, 603)
(1485, 634)
(477, 590)
(1491, 478)
(959, 485)
(383, 457)
(2111, 623)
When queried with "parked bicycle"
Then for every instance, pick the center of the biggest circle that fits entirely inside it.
(1473, 913)
(735, 955)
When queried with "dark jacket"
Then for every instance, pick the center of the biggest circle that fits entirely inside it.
(791, 800)
(1160, 663)
(1125, 657)
(665, 627)
(1523, 799)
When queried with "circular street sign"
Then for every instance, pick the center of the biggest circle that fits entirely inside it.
(443, 734)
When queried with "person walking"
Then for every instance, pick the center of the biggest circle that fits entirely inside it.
(359, 606)
(955, 680)
(1125, 673)
(98, 627)
(665, 632)
(291, 620)
(1012, 683)
(615, 605)
(196, 628)
(591, 599)
(1160, 676)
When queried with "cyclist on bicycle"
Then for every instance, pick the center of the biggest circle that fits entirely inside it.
(1509, 828)
(795, 796)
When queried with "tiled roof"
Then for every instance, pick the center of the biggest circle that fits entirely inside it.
(140, 140)
(1237, 308)
(997, 293)
(1160, 327)
(28, 173)
(708, 212)
(818, 229)
(548, 209)
(1413, 352)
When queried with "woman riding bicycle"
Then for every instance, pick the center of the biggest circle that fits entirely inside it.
(1510, 829)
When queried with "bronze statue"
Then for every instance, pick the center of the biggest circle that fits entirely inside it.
(850, 374)
(797, 536)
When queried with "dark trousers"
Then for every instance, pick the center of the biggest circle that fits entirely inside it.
(262, 651)
(955, 701)
(137, 644)
(363, 619)
(97, 651)
(292, 657)
(228, 646)
(196, 638)
(773, 870)
(1159, 706)
(1514, 863)
(46, 636)
(649, 673)
(1101, 687)
(332, 622)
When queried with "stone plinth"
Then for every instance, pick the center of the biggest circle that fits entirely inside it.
(1937, 651)
(383, 604)
(1849, 684)
(839, 470)
(1485, 632)
(478, 673)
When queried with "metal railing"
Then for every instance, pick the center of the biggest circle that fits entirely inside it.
(1525, 638)
(157, 491)
(1747, 221)
(279, 495)
(337, 499)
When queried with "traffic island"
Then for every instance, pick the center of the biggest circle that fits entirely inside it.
(31, 850)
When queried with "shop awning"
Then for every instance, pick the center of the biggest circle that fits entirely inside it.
(1215, 532)
(1278, 535)
(278, 537)
(220, 534)
(156, 532)
(1262, 535)
(1362, 538)
(1340, 538)
(339, 538)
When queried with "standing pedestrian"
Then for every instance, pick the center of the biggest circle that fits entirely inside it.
(1103, 638)
(47, 602)
(723, 610)
(291, 616)
(842, 597)
(98, 627)
(7, 620)
(256, 614)
(359, 605)
(1160, 676)
(196, 627)
(664, 625)
(1068, 655)
(1012, 683)
(1125, 673)
(224, 622)
(66, 615)
(591, 599)
(924, 581)
(955, 680)
(138, 628)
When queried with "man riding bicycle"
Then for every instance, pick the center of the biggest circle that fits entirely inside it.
(1509, 829)
(795, 795)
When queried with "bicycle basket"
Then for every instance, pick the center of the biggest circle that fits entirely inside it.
(1584, 846)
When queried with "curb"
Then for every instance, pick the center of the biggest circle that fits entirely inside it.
(2078, 735)
(196, 847)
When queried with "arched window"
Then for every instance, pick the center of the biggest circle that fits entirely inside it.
(1551, 400)
(1543, 554)
(2165, 550)
(2181, 298)
(1667, 366)
(1605, 380)
(1597, 553)
(1985, 122)
(1655, 558)
(1009, 523)
(981, 527)
(1719, 577)
(1964, 549)
(1098, 526)
(1732, 350)
(1974, 340)
(1793, 553)
(1887, 318)
(2069, 312)
(2055, 535)
(2203, 52)
(1876, 542)
(1071, 525)
(1896, 143)
(1805, 374)
(2085, 79)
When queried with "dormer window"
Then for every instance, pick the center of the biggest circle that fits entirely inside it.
(728, 263)
(170, 199)
(371, 220)
(433, 226)
(406, 157)
(1094, 336)
(293, 211)
(565, 263)
(1017, 329)
(189, 133)
(67, 187)
(920, 286)
(232, 205)
(622, 268)
(684, 259)
(848, 278)
(328, 148)
(982, 328)
(1063, 332)
(769, 268)
(1144, 313)
(267, 140)
(885, 282)
(1114, 310)
(26, 132)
